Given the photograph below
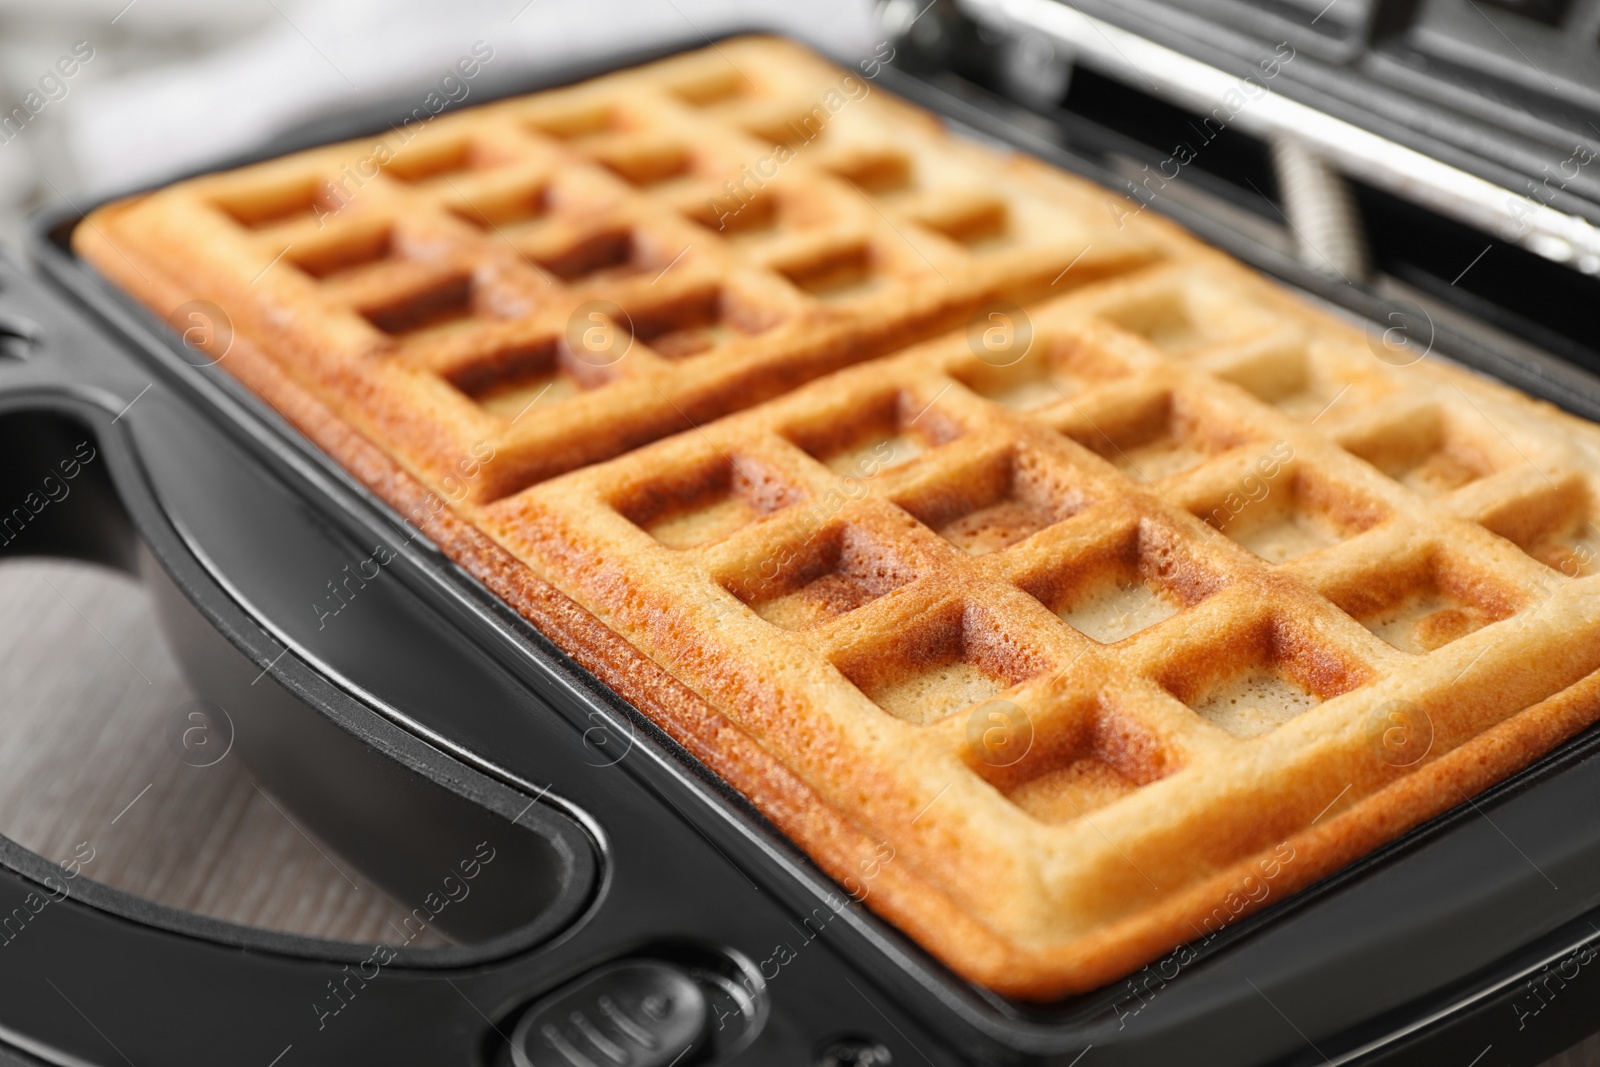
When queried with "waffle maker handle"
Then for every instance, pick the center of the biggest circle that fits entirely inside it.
(93, 975)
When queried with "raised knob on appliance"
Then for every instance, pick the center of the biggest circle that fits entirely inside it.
(639, 1013)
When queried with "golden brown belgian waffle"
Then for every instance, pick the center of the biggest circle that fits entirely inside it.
(1061, 639)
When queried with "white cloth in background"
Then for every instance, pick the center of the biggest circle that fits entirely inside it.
(316, 59)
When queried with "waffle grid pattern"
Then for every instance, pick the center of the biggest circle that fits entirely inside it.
(1082, 608)
(582, 271)
(893, 574)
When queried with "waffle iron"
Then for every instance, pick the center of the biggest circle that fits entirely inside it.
(589, 872)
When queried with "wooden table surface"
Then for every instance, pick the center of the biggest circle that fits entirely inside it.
(91, 703)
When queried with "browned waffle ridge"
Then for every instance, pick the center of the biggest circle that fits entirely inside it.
(1059, 652)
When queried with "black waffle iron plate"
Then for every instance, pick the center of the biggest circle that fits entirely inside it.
(610, 901)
